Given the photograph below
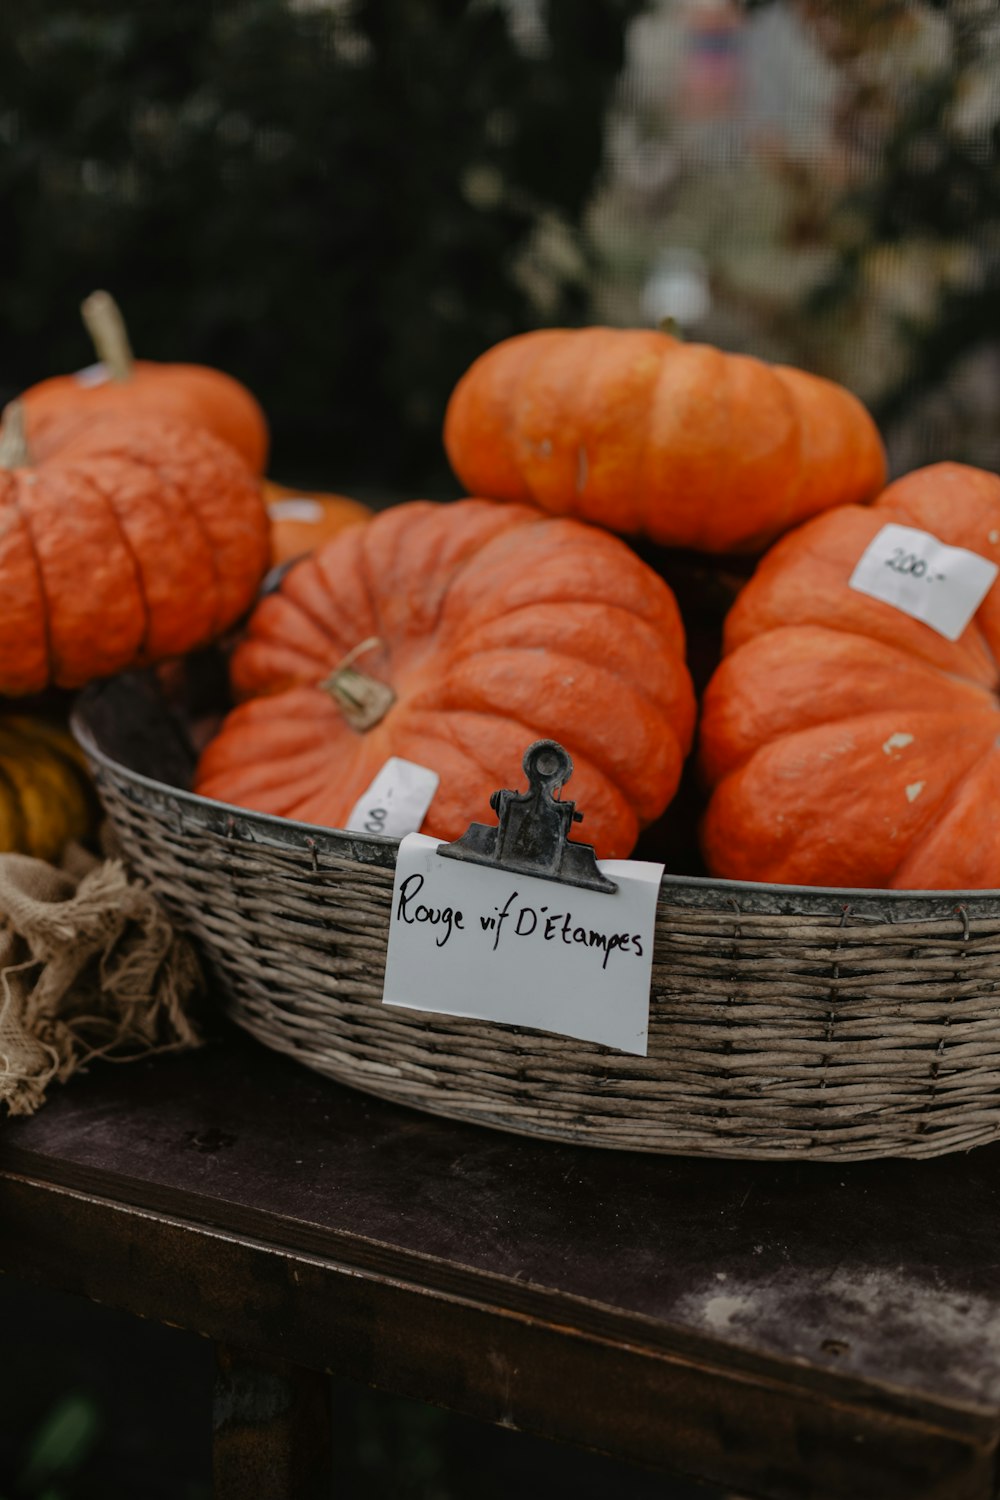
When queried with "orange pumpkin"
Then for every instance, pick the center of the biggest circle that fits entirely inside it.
(650, 436)
(454, 636)
(134, 542)
(59, 409)
(303, 520)
(847, 743)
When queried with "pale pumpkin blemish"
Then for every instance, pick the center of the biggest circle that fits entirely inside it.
(914, 789)
(994, 537)
(897, 742)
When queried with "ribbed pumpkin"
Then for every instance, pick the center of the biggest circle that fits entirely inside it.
(847, 743)
(454, 636)
(650, 436)
(46, 797)
(60, 409)
(137, 541)
(302, 520)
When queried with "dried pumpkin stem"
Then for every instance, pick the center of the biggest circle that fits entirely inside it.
(14, 452)
(363, 700)
(107, 330)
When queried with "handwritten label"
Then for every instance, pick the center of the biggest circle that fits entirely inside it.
(942, 586)
(396, 803)
(468, 940)
(92, 375)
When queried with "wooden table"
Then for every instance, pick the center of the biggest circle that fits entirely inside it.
(788, 1330)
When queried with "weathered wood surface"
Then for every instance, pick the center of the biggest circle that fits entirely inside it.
(792, 1330)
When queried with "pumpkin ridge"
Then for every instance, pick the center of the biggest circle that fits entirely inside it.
(674, 358)
(175, 497)
(859, 635)
(786, 515)
(637, 684)
(474, 557)
(372, 599)
(761, 763)
(140, 581)
(289, 623)
(839, 721)
(36, 556)
(941, 813)
(176, 493)
(349, 629)
(642, 456)
(452, 740)
(991, 701)
(192, 510)
(464, 652)
(514, 411)
(991, 655)
(303, 605)
(541, 728)
(280, 797)
(94, 604)
(530, 732)
(529, 354)
(176, 567)
(564, 599)
(228, 543)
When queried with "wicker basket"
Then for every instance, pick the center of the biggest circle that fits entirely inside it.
(822, 1024)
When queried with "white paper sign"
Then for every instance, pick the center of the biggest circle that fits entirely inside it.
(942, 586)
(295, 508)
(468, 940)
(396, 803)
(92, 375)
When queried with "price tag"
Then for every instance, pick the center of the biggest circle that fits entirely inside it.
(295, 508)
(92, 375)
(396, 803)
(942, 586)
(471, 940)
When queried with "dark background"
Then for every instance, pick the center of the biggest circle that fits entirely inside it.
(343, 202)
(306, 195)
(98, 1405)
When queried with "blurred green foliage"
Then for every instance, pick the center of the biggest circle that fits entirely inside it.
(934, 193)
(340, 201)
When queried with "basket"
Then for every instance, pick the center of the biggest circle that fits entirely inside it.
(784, 1022)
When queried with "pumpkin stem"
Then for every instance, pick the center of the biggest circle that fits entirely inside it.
(106, 327)
(361, 699)
(671, 326)
(13, 437)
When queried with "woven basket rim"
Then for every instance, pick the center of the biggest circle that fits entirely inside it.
(741, 896)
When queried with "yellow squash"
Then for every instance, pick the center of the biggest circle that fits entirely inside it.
(45, 795)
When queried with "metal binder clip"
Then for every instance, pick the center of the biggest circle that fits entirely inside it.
(533, 833)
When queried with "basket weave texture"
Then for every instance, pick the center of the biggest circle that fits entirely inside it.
(784, 1023)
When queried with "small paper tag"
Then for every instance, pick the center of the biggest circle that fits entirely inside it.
(92, 375)
(396, 803)
(942, 586)
(295, 508)
(468, 940)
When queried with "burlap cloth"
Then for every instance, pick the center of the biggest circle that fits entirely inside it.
(89, 967)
